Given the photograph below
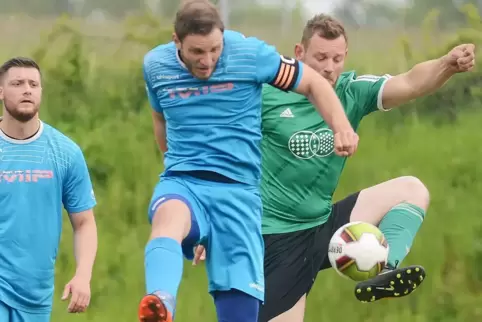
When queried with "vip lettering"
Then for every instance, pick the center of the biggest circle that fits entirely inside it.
(25, 176)
(185, 93)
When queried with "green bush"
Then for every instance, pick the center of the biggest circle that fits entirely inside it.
(104, 108)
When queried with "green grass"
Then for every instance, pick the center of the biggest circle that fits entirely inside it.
(94, 93)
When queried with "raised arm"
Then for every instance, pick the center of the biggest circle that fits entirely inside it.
(289, 74)
(427, 77)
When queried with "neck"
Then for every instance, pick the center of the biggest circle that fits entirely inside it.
(19, 130)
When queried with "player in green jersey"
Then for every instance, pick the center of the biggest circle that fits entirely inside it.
(301, 173)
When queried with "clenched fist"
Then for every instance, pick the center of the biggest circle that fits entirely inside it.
(346, 143)
(461, 58)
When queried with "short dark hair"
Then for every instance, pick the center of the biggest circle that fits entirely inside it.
(197, 17)
(18, 62)
(324, 26)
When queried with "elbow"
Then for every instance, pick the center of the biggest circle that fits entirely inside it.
(84, 223)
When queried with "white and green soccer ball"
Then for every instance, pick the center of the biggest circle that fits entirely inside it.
(358, 251)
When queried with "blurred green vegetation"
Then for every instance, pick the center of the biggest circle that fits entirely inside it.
(94, 92)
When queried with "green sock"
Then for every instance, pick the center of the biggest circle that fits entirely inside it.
(400, 225)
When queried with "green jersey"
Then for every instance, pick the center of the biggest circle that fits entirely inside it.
(300, 169)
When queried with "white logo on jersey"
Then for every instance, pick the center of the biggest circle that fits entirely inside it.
(287, 113)
(168, 77)
(307, 144)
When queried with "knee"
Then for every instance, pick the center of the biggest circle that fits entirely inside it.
(171, 219)
(415, 191)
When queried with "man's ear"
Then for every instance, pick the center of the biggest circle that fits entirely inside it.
(299, 51)
(176, 40)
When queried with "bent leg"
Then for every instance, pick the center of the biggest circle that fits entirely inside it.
(174, 229)
(398, 207)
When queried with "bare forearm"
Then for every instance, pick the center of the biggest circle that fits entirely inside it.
(324, 98)
(161, 140)
(85, 248)
(159, 125)
(423, 79)
(429, 76)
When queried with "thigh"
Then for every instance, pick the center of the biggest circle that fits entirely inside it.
(180, 188)
(235, 246)
(340, 215)
(235, 306)
(291, 265)
(20, 316)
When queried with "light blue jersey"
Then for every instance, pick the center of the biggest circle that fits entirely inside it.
(215, 125)
(37, 177)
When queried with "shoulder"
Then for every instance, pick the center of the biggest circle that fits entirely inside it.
(160, 55)
(345, 80)
(161, 60)
(234, 36)
(351, 80)
(61, 143)
(236, 39)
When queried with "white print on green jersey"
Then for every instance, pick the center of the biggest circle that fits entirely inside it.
(307, 144)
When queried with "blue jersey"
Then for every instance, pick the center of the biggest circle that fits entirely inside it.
(37, 177)
(215, 125)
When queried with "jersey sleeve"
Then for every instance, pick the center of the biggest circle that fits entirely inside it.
(151, 95)
(368, 90)
(277, 70)
(78, 194)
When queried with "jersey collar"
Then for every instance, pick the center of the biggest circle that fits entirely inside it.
(29, 140)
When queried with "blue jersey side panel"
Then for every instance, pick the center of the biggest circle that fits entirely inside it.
(213, 124)
(38, 178)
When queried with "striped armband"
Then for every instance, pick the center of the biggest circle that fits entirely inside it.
(287, 74)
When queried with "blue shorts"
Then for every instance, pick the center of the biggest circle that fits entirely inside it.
(229, 219)
(8, 314)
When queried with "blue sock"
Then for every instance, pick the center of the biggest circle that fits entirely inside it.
(163, 265)
(236, 306)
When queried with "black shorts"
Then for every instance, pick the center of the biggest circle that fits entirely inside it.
(292, 260)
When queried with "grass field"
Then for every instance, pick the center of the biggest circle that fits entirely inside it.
(98, 99)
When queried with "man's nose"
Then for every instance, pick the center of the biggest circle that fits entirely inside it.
(329, 68)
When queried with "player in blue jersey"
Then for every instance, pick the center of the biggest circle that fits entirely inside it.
(41, 170)
(205, 91)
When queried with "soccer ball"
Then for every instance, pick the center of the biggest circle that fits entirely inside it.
(358, 251)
